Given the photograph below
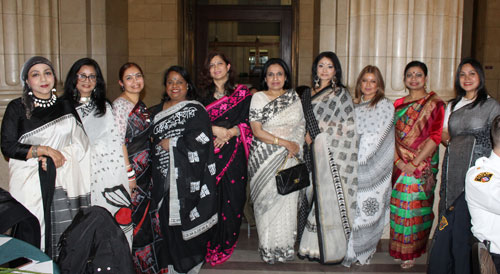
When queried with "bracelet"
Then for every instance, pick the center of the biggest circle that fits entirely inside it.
(130, 179)
(413, 164)
(276, 141)
(131, 173)
(397, 162)
(34, 151)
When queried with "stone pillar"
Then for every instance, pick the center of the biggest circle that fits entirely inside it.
(391, 33)
(27, 28)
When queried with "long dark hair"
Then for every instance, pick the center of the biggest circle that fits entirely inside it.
(272, 61)
(206, 83)
(482, 93)
(26, 99)
(191, 88)
(98, 95)
(336, 64)
(380, 84)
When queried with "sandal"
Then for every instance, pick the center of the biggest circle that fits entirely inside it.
(408, 264)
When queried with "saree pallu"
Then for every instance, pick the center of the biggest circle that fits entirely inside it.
(109, 181)
(231, 163)
(469, 121)
(375, 126)
(55, 196)
(146, 234)
(330, 120)
(275, 214)
(412, 196)
(184, 183)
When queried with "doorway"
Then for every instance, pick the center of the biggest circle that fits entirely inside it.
(248, 34)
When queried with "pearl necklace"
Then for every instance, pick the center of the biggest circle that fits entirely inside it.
(44, 103)
(84, 100)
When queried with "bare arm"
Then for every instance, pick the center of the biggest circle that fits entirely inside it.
(411, 166)
(131, 183)
(268, 138)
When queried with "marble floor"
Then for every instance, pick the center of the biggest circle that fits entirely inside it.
(246, 260)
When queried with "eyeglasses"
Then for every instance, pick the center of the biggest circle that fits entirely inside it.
(83, 77)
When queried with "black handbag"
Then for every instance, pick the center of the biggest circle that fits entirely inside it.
(293, 178)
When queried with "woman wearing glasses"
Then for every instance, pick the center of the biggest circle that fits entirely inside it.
(134, 121)
(86, 89)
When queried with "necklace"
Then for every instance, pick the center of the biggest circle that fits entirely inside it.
(84, 100)
(218, 95)
(44, 103)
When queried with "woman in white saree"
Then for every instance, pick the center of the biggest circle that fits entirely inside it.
(49, 161)
(332, 155)
(278, 125)
(109, 188)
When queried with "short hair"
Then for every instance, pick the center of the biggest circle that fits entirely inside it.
(191, 88)
(482, 93)
(206, 83)
(415, 63)
(273, 61)
(125, 66)
(98, 96)
(380, 84)
(495, 132)
(336, 64)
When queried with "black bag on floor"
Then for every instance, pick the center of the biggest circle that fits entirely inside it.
(94, 243)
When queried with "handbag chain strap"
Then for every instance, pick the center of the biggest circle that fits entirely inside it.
(284, 163)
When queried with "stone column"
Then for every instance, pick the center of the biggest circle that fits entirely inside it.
(27, 28)
(391, 33)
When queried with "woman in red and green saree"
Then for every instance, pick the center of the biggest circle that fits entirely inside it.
(227, 105)
(419, 124)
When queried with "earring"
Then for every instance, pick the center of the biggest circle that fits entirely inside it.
(316, 81)
(425, 86)
(334, 82)
(53, 90)
(122, 88)
(93, 91)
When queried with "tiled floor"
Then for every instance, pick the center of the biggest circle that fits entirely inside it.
(246, 260)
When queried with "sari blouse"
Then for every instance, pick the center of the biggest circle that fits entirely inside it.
(416, 122)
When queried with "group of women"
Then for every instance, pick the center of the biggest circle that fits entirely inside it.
(175, 175)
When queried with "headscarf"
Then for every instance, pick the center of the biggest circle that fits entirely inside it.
(26, 99)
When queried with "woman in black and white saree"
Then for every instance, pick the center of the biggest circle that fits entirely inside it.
(49, 162)
(183, 173)
(278, 125)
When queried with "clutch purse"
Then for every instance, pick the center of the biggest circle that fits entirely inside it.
(293, 178)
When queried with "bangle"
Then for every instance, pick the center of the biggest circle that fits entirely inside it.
(397, 162)
(276, 141)
(413, 164)
(34, 151)
(131, 178)
(131, 173)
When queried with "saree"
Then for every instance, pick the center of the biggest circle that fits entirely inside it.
(275, 214)
(416, 123)
(375, 126)
(134, 122)
(184, 179)
(466, 123)
(55, 196)
(330, 121)
(109, 181)
(231, 174)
